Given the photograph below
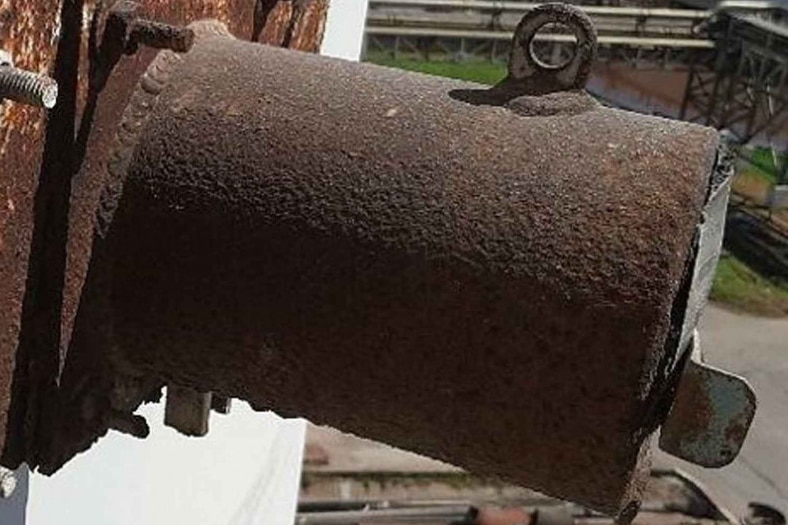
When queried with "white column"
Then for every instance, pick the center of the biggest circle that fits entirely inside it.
(344, 34)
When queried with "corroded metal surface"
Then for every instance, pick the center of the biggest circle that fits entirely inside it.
(711, 415)
(469, 273)
(360, 246)
(28, 32)
(526, 68)
(58, 167)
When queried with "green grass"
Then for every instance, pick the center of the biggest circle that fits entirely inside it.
(736, 285)
(762, 164)
(740, 287)
(481, 72)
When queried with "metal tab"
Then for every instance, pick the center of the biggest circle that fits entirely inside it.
(528, 74)
(187, 410)
(711, 415)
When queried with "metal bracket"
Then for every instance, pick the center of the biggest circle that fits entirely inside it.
(529, 79)
(530, 75)
(711, 415)
(138, 31)
(187, 410)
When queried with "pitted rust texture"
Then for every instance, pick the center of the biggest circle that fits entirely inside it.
(692, 409)
(710, 416)
(113, 393)
(290, 23)
(553, 104)
(160, 36)
(28, 31)
(63, 39)
(351, 244)
(238, 16)
(530, 77)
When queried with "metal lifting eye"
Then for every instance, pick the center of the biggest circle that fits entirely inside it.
(526, 67)
(553, 46)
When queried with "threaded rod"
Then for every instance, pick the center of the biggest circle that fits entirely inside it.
(27, 87)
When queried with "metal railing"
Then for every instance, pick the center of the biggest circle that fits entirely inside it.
(495, 20)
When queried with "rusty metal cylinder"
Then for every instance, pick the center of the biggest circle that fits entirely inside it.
(486, 283)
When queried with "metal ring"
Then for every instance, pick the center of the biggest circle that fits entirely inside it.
(523, 65)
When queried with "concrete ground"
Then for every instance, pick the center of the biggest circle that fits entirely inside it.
(756, 348)
(329, 450)
(343, 467)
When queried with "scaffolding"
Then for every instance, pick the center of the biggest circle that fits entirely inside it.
(743, 86)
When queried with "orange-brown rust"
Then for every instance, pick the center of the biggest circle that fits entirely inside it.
(28, 31)
(308, 23)
(61, 40)
(399, 275)
(311, 23)
(692, 409)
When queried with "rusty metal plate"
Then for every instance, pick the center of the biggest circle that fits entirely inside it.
(28, 31)
(711, 414)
